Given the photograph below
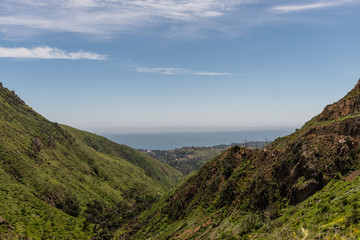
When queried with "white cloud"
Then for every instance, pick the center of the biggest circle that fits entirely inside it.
(46, 52)
(317, 5)
(168, 71)
(211, 74)
(178, 71)
(107, 16)
(184, 19)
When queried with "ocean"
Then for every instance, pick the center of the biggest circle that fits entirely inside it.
(167, 141)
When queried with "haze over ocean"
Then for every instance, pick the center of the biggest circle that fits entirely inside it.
(167, 141)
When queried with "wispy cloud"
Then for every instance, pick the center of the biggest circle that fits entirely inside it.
(178, 71)
(309, 6)
(107, 16)
(46, 52)
(212, 74)
(169, 18)
(159, 70)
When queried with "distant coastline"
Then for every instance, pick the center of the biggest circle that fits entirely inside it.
(167, 141)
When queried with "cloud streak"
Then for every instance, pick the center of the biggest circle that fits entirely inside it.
(178, 71)
(47, 52)
(165, 18)
(107, 16)
(310, 6)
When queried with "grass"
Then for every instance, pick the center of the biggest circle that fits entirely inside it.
(57, 182)
(332, 213)
(268, 194)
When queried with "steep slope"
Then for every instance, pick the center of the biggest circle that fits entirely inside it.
(55, 184)
(153, 168)
(247, 191)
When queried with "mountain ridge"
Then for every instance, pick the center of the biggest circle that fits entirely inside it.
(55, 184)
(348, 105)
(262, 184)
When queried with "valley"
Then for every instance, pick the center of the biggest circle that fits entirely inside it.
(59, 182)
(179, 120)
(189, 159)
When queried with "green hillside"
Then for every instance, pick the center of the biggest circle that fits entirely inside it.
(57, 182)
(153, 168)
(303, 186)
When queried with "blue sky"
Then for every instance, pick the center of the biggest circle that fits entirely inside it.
(138, 66)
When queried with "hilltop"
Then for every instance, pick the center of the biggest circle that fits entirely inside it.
(58, 182)
(303, 185)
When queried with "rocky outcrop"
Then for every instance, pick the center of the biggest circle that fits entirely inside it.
(36, 145)
(305, 178)
(349, 105)
(16, 98)
(347, 127)
(306, 190)
(343, 108)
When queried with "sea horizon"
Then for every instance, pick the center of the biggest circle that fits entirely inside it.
(168, 141)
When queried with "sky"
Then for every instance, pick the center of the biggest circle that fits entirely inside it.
(147, 66)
